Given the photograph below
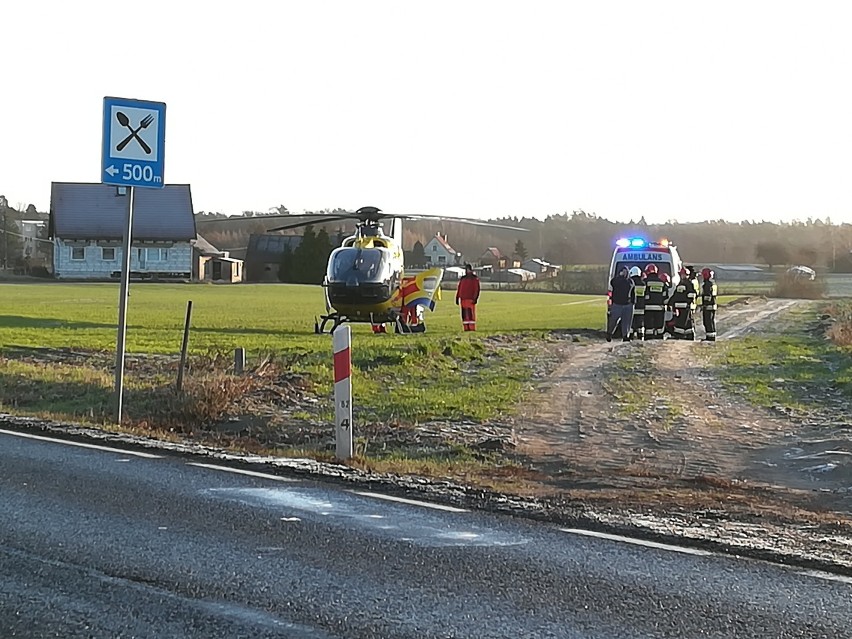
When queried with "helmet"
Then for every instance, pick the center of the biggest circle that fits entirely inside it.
(683, 271)
(635, 271)
(707, 274)
(663, 276)
(651, 268)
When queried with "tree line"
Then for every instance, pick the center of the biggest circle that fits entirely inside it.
(585, 238)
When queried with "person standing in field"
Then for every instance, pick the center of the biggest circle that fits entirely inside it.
(656, 297)
(639, 306)
(467, 296)
(623, 300)
(709, 295)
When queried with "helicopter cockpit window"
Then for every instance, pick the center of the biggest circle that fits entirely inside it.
(356, 265)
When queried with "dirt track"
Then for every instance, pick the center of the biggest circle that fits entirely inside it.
(629, 422)
(644, 436)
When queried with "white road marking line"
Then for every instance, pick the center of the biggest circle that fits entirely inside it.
(411, 502)
(240, 471)
(601, 300)
(80, 444)
(827, 575)
(637, 542)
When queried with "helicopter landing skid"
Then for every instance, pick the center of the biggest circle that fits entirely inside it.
(335, 318)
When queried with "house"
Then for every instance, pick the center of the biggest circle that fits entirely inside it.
(264, 253)
(540, 267)
(494, 258)
(87, 224)
(30, 241)
(439, 252)
(36, 251)
(211, 264)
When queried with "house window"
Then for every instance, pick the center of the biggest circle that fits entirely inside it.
(78, 252)
(442, 259)
(107, 254)
(434, 247)
(157, 254)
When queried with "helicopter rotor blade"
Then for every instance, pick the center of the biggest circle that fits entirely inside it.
(365, 214)
(447, 218)
(322, 219)
(277, 216)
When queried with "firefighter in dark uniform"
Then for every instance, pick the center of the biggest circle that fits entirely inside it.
(709, 293)
(683, 301)
(639, 307)
(696, 284)
(656, 295)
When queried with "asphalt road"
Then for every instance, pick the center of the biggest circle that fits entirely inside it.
(105, 543)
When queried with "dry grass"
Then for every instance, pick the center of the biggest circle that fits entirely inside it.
(792, 287)
(838, 322)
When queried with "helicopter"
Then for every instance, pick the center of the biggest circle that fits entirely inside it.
(365, 279)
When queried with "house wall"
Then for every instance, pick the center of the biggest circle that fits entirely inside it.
(93, 266)
(434, 251)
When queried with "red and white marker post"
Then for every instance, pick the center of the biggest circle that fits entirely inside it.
(342, 342)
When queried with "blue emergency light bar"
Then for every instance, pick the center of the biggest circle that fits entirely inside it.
(638, 242)
(635, 242)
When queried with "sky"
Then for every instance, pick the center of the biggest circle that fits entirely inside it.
(669, 110)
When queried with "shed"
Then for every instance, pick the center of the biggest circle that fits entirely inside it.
(211, 264)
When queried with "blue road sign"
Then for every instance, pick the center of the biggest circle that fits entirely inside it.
(134, 143)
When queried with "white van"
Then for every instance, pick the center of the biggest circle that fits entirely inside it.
(635, 251)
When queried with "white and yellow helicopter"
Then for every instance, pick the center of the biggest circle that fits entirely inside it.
(365, 280)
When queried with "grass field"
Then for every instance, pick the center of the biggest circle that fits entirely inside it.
(258, 317)
(442, 374)
(798, 368)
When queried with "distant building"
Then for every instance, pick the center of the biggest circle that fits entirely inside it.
(515, 275)
(29, 230)
(494, 258)
(741, 272)
(453, 273)
(540, 267)
(212, 265)
(87, 223)
(439, 252)
(264, 253)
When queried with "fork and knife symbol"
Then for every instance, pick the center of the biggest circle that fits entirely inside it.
(124, 121)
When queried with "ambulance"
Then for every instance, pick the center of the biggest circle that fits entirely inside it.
(636, 251)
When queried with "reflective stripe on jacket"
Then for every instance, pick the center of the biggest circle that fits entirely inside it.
(639, 307)
(656, 293)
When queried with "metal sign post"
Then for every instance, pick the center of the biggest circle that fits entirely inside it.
(122, 308)
(133, 155)
(342, 343)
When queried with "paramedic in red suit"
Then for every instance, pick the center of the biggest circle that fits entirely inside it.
(467, 296)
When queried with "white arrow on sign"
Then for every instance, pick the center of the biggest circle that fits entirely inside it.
(111, 170)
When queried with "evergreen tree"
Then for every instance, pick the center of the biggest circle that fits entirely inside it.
(285, 267)
(304, 259)
(520, 250)
(323, 252)
(418, 255)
